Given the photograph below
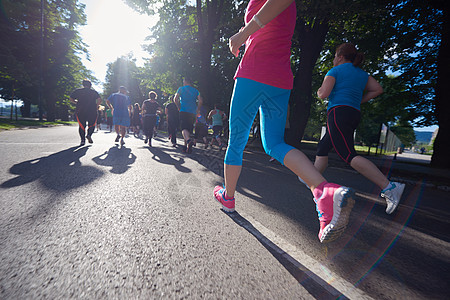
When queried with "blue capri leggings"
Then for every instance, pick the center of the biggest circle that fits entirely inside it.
(272, 102)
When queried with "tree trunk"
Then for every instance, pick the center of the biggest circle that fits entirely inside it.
(311, 44)
(208, 19)
(440, 157)
(26, 109)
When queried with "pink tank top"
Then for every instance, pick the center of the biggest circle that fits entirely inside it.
(268, 50)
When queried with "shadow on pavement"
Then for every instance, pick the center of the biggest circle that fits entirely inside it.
(316, 286)
(161, 156)
(60, 171)
(119, 158)
(211, 159)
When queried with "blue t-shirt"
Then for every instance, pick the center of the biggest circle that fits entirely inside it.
(120, 102)
(349, 86)
(188, 99)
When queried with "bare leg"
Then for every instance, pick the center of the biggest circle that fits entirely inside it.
(369, 170)
(231, 177)
(117, 129)
(186, 135)
(298, 163)
(321, 163)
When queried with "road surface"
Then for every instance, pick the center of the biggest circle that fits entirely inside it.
(110, 222)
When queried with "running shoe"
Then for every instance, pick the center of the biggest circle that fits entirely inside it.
(146, 140)
(117, 138)
(89, 138)
(227, 204)
(82, 143)
(190, 145)
(393, 196)
(333, 208)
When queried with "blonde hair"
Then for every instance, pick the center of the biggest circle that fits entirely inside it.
(153, 95)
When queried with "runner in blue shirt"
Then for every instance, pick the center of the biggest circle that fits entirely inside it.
(347, 86)
(121, 107)
(186, 98)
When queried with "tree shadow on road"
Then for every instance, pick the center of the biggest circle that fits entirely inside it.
(162, 157)
(59, 171)
(119, 159)
(211, 159)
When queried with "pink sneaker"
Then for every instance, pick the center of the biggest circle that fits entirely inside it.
(227, 204)
(334, 207)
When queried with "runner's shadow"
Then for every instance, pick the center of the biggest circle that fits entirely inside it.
(60, 171)
(119, 159)
(162, 157)
(211, 159)
(315, 285)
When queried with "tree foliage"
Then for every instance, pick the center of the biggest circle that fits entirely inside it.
(62, 70)
(124, 72)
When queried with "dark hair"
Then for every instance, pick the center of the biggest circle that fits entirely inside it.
(349, 52)
(152, 95)
(86, 83)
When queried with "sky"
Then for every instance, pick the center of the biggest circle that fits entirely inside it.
(113, 29)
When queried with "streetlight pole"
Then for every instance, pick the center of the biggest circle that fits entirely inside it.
(41, 61)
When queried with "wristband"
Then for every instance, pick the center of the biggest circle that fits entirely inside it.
(261, 25)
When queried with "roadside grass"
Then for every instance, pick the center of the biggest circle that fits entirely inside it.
(7, 124)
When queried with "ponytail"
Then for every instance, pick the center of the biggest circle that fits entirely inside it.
(349, 52)
(359, 59)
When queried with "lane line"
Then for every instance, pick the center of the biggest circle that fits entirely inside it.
(317, 279)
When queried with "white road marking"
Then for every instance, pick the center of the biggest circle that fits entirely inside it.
(316, 268)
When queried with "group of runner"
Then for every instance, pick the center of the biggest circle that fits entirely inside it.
(184, 109)
(263, 82)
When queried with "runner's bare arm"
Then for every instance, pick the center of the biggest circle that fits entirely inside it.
(176, 99)
(326, 88)
(373, 89)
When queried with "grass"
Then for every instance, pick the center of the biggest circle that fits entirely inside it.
(7, 124)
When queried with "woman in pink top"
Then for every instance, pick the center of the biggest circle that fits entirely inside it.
(263, 82)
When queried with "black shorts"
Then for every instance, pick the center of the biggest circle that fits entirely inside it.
(217, 130)
(341, 124)
(201, 130)
(187, 121)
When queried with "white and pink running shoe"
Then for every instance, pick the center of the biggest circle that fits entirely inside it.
(334, 207)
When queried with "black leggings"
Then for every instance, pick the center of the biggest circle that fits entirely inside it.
(172, 127)
(341, 124)
(90, 119)
(149, 123)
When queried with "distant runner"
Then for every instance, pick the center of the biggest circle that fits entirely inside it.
(172, 121)
(217, 116)
(87, 101)
(121, 107)
(186, 99)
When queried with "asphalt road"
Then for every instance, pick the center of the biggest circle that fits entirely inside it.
(104, 221)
